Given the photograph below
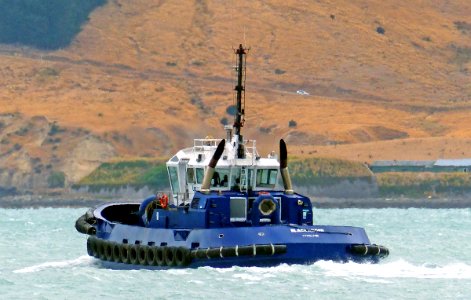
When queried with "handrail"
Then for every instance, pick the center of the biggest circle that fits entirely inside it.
(206, 145)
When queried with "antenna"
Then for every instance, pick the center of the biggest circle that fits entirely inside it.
(241, 54)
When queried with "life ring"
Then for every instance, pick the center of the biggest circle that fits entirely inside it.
(163, 201)
(142, 254)
(267, 206)
(182, 257)
(169, 256)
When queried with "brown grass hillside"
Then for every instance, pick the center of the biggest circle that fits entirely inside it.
(145, 77)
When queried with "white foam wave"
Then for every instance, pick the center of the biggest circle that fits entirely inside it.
(395, 269)
(56, 264)
(179, 272)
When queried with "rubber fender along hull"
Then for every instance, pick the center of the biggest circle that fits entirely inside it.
(253, 250)
(139, 255)
(167, 256)
(84, 224)
(145, 256)
(222, 247)
(369, 250)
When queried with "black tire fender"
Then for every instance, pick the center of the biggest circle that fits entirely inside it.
(142, 254)
(124, 253)
(115, 249)
(159, 256)
(133, 254)
(100, 246)
(90, 250)
(169, 256)
(108, 250)
(151, 252)
(182, 256)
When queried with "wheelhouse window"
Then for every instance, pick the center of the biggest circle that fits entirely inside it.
(190, 175)
(220, 178)
(266, 178)
(235, 179)
(241, 178)
(199, 175)
(173, 174)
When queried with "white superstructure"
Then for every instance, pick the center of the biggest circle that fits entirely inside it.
(186, 169)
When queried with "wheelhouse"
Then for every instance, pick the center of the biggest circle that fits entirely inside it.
(252, 173)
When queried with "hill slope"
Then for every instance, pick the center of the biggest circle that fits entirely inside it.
(143, 78)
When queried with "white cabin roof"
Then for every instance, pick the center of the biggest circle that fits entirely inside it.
(203, 149)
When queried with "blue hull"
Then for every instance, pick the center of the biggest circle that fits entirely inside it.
(230, 246)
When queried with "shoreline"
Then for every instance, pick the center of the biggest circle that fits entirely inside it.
(404, 203)
(87, 201)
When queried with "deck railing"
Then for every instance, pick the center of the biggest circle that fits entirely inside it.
(205, 145)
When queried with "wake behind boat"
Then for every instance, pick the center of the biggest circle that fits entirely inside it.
(225, 209)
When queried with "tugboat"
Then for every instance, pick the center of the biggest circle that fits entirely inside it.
(225, 209)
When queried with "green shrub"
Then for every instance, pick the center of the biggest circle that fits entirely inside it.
(137, 173)
(326, 171)
(56, 180)
(155, 177)
(422, 184)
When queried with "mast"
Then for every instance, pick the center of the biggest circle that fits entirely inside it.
(241, 54)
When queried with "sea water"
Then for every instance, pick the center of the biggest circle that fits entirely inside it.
(43, 257)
